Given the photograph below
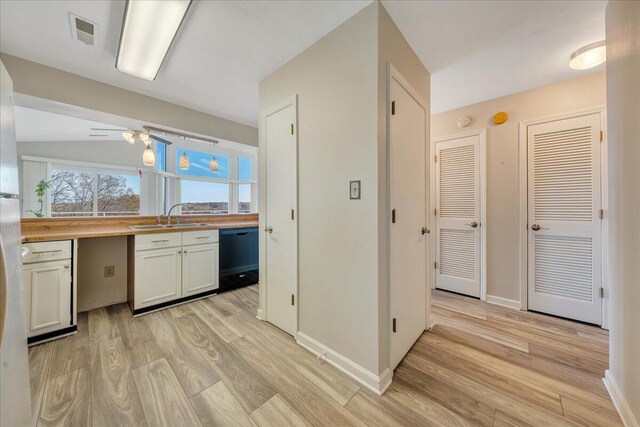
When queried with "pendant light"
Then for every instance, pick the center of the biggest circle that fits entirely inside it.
(213, 164)
(184, 161)
(589, 56)
(148, 157)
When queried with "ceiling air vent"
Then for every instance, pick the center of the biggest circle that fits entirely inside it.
(83, 30)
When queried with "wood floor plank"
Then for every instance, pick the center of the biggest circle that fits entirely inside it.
(376, 411)
(249, 387)
(163, 400)
(244, 299)
(222, 305)
(570, 358)
(192, 371)
(180, 310)
(590, 415)
(39, 363)
(504, 420)
(214, 321)
(217, 406)
(67, 401)
(137, 338)
(114, 396)
(454, 399)
(319, 372)
(545, 366)
(102, 325)
(309, 401)
(513, 405)
(277, 412)
(72, 352)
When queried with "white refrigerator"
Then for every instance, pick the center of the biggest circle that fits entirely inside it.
(15, 397)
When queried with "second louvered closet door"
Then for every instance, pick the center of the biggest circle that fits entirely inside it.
(563, 218)
(458, 215)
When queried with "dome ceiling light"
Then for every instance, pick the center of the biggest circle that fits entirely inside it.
(589, 56)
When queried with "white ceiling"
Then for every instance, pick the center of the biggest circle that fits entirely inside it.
(480, 50)
(475, 50)
(222, 51)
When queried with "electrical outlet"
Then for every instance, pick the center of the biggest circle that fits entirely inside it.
(109, 271)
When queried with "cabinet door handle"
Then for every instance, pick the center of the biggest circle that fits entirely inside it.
(66, 266)
(47, 252)
(159, 241)
(203, 237)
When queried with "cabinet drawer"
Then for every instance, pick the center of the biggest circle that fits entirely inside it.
(199, 237)
(158, 241)
(47, 251)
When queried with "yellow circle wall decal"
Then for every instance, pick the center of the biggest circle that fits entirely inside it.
(500, 118)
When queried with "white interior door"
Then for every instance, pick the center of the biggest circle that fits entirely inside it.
(281, 231)
(564, 237)
(408, 238)
(458, 212)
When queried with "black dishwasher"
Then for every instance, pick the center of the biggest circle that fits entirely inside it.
(238, 258)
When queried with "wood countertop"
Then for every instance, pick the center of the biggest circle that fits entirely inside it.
(45, 229)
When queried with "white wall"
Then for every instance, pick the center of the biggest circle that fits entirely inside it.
(623, 104)
(502, 162)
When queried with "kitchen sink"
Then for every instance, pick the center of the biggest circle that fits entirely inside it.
(165, 226)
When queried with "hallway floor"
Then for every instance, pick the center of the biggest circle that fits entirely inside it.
(210, 362)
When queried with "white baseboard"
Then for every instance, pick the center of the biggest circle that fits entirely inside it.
(628, 419)
(375, 383)
(510, 303)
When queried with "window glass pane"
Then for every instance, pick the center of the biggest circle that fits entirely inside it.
(71, 193)
(244, 198)
(161, 156)
(245, 169)
(199, 164)
(118, 195)
(204, 197)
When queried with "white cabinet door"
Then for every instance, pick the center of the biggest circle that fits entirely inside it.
(48, 296)
(157, 276)
(199, 269)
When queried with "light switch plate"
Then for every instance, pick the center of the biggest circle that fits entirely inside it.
(109, 271)
(354, 190)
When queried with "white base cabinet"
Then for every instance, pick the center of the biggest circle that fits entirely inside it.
(171, 266)
(48, 287)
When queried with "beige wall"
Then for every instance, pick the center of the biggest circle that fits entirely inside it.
(33, 79)
(502, 162)
(340, 82)
(394, 49)
(335, 80)
(623, 103)
(95, 290)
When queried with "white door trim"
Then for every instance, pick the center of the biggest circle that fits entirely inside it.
(523, 201)
(482, 134)
(262, 199)
(394, 74)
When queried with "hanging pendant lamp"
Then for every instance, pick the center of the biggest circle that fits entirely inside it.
(184, 161)
(148, 157)
(213, 164)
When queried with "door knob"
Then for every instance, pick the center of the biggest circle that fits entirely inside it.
(268, 229)
(425, 230)
(536, 227)
(472, 224)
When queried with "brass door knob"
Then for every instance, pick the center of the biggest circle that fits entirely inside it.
(472, 224)
(268, 229)
(425, 230)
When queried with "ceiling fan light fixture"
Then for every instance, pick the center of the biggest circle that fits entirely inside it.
(128, 136)
(144, 137)
(213, 164)
(148, 156)
(148, 30)
(589, 56)
(185, 163)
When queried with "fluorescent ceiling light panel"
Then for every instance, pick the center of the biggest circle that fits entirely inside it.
(148, 29)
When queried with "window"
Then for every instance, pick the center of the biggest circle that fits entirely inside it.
(199, 165)
(245, 169)
(244, 198)
(203, 197)
(87, 193)
(161, 157)
(245, 184)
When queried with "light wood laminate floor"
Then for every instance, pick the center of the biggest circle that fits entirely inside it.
(210, 362)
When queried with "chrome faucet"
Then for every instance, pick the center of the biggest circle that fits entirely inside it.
(171, 209)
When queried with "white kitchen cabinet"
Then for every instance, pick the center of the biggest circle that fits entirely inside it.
(171, 266)
(48, 296)
(199, 269)
(157, 276)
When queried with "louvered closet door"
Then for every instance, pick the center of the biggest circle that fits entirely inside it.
(564, 225)
(458, 215)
